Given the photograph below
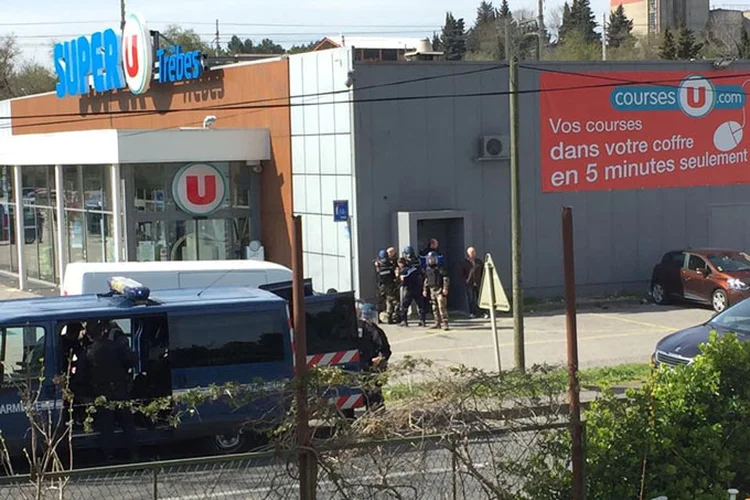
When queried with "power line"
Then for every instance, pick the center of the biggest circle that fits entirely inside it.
(243, 106)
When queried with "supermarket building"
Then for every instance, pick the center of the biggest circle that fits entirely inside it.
(418, 149)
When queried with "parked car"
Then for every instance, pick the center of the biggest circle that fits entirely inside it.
(714, 277)
(679, 348)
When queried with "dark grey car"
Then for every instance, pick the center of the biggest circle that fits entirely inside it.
(681, 347)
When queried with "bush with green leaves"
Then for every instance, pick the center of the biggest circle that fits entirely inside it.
(684, 434)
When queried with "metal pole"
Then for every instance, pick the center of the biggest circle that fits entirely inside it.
(19, 223)
(489, 275)
(508, 49)
(604, 37)
(572, 333)
(122, 15)
(515, 216)
(351, 251)
(62, 257)
(116, 211)
(541, 32)
(307, 475)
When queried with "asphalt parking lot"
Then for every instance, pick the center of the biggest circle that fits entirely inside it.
(607, 336)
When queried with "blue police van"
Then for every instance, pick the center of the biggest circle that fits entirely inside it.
(182, 340)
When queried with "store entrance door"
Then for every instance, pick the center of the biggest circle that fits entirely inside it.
(191, 239)
(201, 239)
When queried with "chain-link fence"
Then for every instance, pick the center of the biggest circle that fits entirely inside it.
(452, 467)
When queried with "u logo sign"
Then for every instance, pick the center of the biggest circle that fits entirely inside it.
(199, 189)
(201, 194)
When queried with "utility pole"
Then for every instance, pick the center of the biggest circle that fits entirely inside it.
(515, 215)
(218, 45)
(604, 36)
(122, 15)
(508, 49)
(541, 32)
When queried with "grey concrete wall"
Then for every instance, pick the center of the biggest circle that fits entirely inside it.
(418, 155)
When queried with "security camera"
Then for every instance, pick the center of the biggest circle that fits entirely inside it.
(349, 79)
(258, 168)
(209, 121)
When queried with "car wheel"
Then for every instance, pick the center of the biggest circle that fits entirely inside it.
(229, 442)
(719, 300)
(658, 293)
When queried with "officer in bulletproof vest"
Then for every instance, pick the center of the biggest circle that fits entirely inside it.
(410, 275)
(374, 353)
(385, 268)
(436, 290)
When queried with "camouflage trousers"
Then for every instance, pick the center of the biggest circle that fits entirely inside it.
(439, 306)
(388, 302)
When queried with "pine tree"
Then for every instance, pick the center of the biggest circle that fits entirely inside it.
(437, 45)
(584, 20)
(620, 29)
(235, 45)
(668, 48)
(486, 13)
(567, 22)
(687, 47)
(453, 38)
(504, 11)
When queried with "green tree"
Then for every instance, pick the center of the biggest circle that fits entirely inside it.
(687, 47)
(303, 47)
(453, 38)
(8, 59)
(235, 45)
(188, 38)
(32, 78)
(620, 29)
(504, 11)
(579, 17)
(575, 47)
(743, 47)
(668, 47)
(482, 40)
(437, 44)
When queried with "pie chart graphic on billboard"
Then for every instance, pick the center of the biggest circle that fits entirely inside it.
(728, 136)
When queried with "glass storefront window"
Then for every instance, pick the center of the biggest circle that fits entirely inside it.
(8, 255)
(38, 220)
(150, 188)
(240, 184)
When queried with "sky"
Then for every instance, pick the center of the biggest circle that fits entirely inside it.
(284, 21)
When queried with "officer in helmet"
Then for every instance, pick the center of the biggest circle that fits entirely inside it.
(385, 269)
(436, 290)
(374, 353)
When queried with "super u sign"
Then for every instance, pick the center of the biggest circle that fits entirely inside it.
(106, 61)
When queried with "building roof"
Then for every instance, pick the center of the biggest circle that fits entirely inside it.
(365, 42)
(106, 147)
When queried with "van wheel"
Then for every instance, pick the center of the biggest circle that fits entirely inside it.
(658, 293)
(229, 442)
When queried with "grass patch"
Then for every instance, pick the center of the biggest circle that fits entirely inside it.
(598, 377)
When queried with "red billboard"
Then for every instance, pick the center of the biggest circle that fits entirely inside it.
(604, 131)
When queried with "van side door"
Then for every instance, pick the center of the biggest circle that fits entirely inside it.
(23, 351)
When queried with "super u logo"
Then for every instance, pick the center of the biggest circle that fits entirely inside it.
(697, 96)
(199, 189)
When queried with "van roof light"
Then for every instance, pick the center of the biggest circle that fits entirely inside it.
(128, 288)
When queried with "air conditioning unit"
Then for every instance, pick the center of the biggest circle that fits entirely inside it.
(494, 147)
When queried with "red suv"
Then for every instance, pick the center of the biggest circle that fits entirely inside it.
(718, 278)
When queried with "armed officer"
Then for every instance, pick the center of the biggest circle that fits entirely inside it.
(436, 290)
(385, 267)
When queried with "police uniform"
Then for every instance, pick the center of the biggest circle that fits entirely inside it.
(412, 283)
(387, 287)
(373, 343)
(436, 289)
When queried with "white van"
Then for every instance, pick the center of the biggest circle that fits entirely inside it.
(83, 278)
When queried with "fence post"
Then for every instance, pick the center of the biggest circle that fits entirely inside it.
(454, 467)
(156, 483)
